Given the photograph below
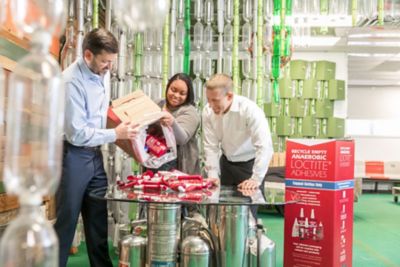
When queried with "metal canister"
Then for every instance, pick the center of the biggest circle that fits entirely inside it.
(262, 249)
(267, 254)
(195, 252)
(163, 234)
(132, 251)
(230, 225)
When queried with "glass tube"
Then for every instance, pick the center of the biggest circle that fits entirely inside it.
(227, 64)
(208, 38)
(209, 11)
(148, 39)
(228, 37)
(197, 63)
(228, 11)
(207, 69)
(29, 240)
(156, 89)
(158, 38)
(198, 33)
(198, 9)
(247, 10)
(180, 8)
(180, 35)
(35, 119)
(146, 86)
(246, 35)
(246, 67)
(246, 88)
(268, 10)
(49, 15)
(157, 64)
(198, 89)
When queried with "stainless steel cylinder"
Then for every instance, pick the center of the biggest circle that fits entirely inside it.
(267, 254)
(195, 252)
(132, 251)
(163, 224)
(230, 225)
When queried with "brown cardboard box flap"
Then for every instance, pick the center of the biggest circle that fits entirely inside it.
(135, 107)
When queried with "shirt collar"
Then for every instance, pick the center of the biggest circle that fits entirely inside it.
(87, 73)
(235, 104)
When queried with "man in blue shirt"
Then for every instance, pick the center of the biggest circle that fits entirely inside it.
(87, 100)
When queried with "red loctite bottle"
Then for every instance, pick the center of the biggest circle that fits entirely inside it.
(156, 146)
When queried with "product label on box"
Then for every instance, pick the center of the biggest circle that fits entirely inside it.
(318, 229)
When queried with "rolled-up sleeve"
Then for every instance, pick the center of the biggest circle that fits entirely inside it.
(211, 146)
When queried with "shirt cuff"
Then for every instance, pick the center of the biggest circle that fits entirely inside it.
(212, 174)
(110, 136)
(257, 179)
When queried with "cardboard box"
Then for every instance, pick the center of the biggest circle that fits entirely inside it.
(319, 228)
(310, 89)
(8, 202)
(272, 109)
(135, 107)
(335, 127)
(298, 69)
(297, 107)
(284, 126)
(286, 89)
(325, 70)
(309, 126)
(337, 90)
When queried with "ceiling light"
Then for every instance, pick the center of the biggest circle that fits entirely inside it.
(370, 43)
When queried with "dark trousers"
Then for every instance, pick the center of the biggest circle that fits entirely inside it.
(83, 171)
(233, 173)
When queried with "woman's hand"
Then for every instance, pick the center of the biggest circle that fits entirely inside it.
(167, 119)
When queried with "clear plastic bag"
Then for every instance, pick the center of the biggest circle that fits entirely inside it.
(145, 156)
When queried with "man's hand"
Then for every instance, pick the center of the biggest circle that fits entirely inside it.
(249, 184)
(215, 181)
(167, 119)
(127, 130)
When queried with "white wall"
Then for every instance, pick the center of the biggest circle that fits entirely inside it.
(379, 108)
(374, 105)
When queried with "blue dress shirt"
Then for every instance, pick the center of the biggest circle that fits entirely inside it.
(87, 101)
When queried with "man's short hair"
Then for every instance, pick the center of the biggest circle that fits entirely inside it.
(220, 81)
(98, 40)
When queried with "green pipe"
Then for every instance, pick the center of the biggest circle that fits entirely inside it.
(235, 47)
(381, 12)
(260, 74)
(165, 63)
(277, 7)
(283, 30)
(186, 45)
(354, 12)
(275, 86)
(95, 16)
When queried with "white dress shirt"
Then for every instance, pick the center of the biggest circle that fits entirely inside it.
(241, 134)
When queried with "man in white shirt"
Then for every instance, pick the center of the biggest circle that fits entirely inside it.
(237, 139)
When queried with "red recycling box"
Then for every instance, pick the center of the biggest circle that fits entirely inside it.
(319, 229)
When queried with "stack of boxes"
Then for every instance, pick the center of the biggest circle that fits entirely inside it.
(307, 94)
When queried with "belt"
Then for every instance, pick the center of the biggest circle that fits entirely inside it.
(87, 148)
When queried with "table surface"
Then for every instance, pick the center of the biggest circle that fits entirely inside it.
(224, 195)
